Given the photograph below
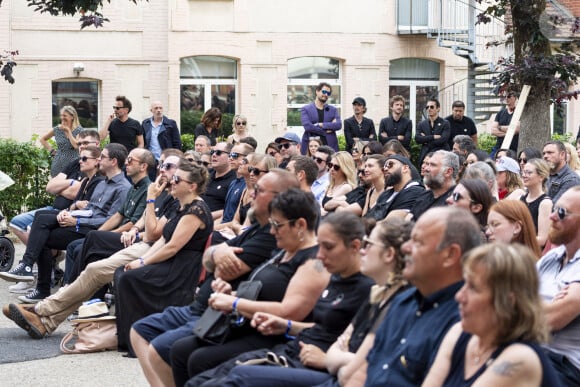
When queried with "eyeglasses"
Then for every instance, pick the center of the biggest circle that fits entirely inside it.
(235, 155)
(85, 143)
(336, 167)
(318, 159)
(241, 123)
(527, 173)
(286, 145)
(217, 152)
(563, 213)
(523, 161)
(457, 197)
(85, 158)
(276, 225)
(177, 179)
(326, 92)
(204, 163)
(245, 161)
(130, 159)
(167, 166)
(367, 241)
(260, 190)
(430, 107)
(102, 156)
(256, 171)
(118, 107)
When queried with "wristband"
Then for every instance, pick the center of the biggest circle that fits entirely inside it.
(288, 329)
(72, 181)
(141, 261)
(150, 201)
(137, 235)
(235, 305)
(78, 224)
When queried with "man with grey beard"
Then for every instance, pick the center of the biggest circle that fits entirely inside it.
(403, 191)
(440, 175)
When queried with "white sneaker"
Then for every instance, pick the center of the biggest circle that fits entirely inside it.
(22, 287)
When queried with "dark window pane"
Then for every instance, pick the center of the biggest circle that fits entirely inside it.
(83, 96)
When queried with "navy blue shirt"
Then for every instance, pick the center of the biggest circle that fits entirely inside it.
(233, 197)
(405, 346)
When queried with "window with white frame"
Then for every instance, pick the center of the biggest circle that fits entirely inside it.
(304, 74)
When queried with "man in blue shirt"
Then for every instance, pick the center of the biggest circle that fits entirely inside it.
(407, 341)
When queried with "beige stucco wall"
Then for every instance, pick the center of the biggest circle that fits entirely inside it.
(137, 54)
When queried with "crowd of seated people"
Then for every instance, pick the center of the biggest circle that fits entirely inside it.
(369, 265)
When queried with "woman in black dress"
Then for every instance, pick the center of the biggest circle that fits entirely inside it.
(168, 273)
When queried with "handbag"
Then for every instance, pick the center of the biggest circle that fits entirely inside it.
(93, 336)
(214, 326)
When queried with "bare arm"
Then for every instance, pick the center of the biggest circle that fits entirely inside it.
(44, 140)
(442, 364)
(104, 132)
(544, 221)
(518, 365)
(560, 312)
(338, 355)
(496, 130)
(358, 362)
(140, 141)
(62, 185)
(223, 261)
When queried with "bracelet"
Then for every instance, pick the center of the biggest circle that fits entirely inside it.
(137, 235)
(72, 181)
(78, 224)
(288, 329)
(150, 201)
(141, 261)
(235, 305)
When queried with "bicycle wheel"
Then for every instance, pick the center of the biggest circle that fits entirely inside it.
(6, 254)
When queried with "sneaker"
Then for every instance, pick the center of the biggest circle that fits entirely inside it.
(26, 318)
(22, 272)
(22, 287)
(33, 297)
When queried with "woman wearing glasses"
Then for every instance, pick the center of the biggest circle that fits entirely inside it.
(473, 195)
(535, 174)
(240, 129)
(65, 137)
(167, 274)
(292, 282)
(510, 221)
(342, 178)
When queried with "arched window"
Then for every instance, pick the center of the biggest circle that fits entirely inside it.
(304, 74)
(416, 80)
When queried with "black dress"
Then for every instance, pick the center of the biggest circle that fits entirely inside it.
(152, 288)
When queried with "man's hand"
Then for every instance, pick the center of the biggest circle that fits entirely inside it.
(269, 324)
(218, 285)
(221, 301)
(155, 188)
(67, 220)
(128, 237)
(226, 261)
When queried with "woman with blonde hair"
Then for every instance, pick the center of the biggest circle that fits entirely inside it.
(535, 174)
(502, 324)
(342, 177)
(509, 181)
(239, 128)
(509, 221)
(572, 157)
(64, 135)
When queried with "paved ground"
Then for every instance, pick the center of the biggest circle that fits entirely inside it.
(97, 369)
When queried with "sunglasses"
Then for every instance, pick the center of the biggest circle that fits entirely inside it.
(217, 152)
(563, 213)
(235, 155)
(176, 179)
(336, 167)
(241, 123)
(430, 107)
(167, 166)
(325, 92)
(276, 225)
(130, 159)
(85, 158)
(273, 154)
(256, 171)
(522, 160)
(361, 171)
(354, 150)
(457, 197)
(204, 163)
(118, 107)
(245, 161)
(286, 145)
(367, 153)
(318, 160)
(191, 160)
(389, 164)
(367, 241)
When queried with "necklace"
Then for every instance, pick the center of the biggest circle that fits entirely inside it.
(482, 355)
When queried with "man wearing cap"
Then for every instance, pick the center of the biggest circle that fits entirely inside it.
(320, 119)
(502, 121)
(358, 127)
(562, 177)
(403, 191)
(396, 127)
(288, 144)
(433, 132)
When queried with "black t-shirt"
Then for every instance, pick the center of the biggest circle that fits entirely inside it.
(217, 189)
(466, 126)
(504, 118)
(200, 130)
(426, 201)
(125, 132)
(72, 171)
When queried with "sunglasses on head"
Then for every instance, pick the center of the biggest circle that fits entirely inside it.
(318, 159)
(563, 213)
(217, 152)
(336, 167)
(85, 158)
(235, 155)
(326, 92)
(286, 145)
(256, 171)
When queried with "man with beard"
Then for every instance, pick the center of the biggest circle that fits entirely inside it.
(397, 200)
(440, 175)
(562, 177)
(320, 119)
(559, 272)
